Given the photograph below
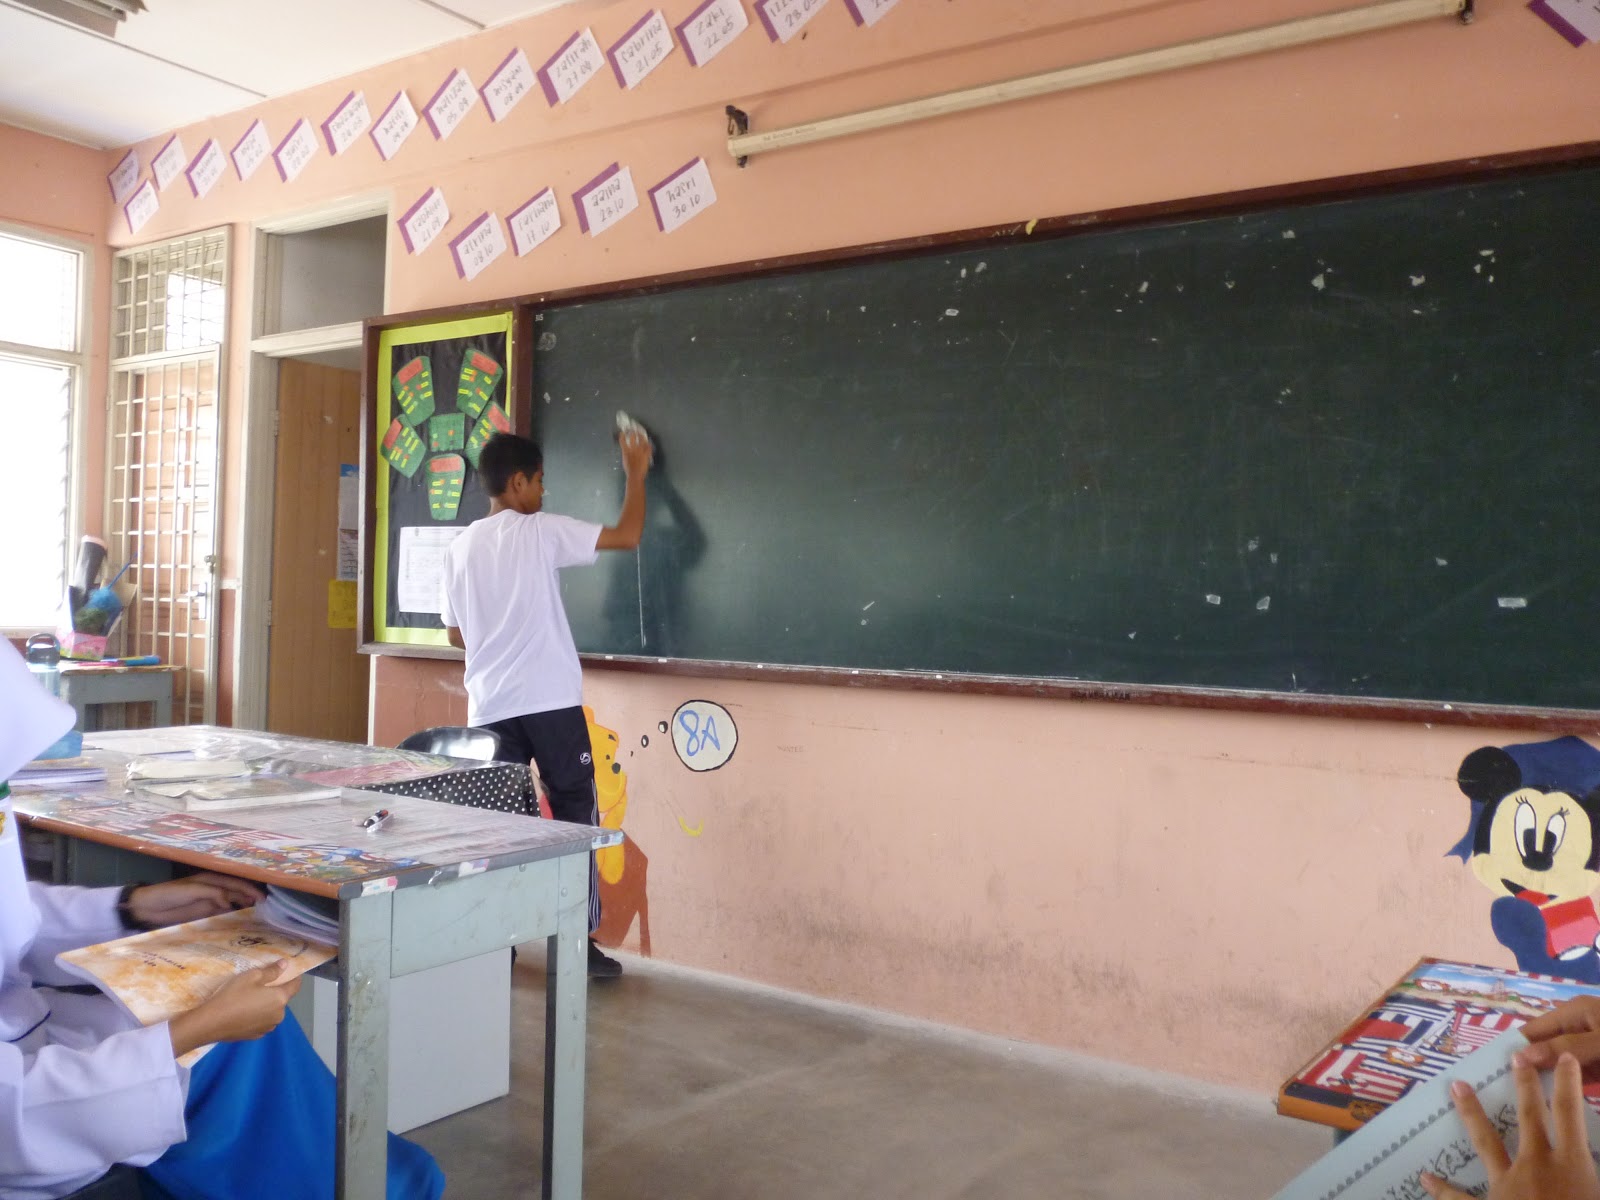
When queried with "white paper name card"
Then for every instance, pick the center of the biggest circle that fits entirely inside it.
(478, 245)
(450, 104)
(346, 123)
(208, 167)
(570, 67)
(1576, 20)
(295, 151)
(141, 206)
(534, 222)
(683, 195)
(512, 80)
(124, 177)
(424, 221)
(641, 49)
(869, 12)
(394, 125)
(605, 200)
(168, 163)
(711, 28)
(785, 18)
(252, 150)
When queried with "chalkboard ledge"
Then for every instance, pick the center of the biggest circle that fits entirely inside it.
(404, 650)
(1427, 712)
(1303, 704)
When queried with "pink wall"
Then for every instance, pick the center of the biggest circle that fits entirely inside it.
(1207, 892)
(58, 188)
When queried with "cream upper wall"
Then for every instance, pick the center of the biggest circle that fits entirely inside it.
(1207, 892)
(57, 188)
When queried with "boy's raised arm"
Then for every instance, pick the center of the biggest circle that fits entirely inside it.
(637, 454)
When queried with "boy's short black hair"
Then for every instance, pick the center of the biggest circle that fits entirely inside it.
(505, 455)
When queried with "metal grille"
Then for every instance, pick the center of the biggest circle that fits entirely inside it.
(171, 305)
(171, 297)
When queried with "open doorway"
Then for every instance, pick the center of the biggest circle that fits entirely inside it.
(299, 667)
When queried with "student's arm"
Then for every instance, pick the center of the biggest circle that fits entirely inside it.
(453, 633)
(637, 454)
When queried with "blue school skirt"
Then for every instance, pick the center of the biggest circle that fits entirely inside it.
(261, 1127)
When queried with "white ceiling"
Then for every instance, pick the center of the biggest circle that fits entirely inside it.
(185, 60)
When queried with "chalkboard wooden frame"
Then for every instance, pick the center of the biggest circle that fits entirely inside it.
(1374, 183)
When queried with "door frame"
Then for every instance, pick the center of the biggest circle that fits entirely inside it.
(259, 460)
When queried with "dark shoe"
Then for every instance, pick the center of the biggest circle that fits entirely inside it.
(601, 965)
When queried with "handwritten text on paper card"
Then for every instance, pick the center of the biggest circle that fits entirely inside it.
(869, 12)
(641, 49)
(424, 220)
(511, 81)
(570, 67)
(348, 122)
(683, 195)
(534, 222)
(478, 245)
(394, 126)
(141, 206)
(450, 104)
(252, 150)
(295, 151)
(208, 167)
(605, 200)
(785, 18)
(168, 163)
(124, 177)
(711, 28)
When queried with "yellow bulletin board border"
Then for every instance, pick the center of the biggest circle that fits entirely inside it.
(389, 340)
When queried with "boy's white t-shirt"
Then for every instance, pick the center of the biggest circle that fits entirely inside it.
(500, 589)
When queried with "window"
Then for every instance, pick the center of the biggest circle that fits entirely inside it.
(41, 376)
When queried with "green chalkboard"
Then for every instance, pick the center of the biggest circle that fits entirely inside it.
(1349, 448)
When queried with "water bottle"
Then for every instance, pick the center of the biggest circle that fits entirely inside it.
(43, 654)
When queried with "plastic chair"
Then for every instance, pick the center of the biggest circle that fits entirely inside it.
(456, 741)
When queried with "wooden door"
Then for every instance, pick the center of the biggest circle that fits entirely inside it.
(316, 682)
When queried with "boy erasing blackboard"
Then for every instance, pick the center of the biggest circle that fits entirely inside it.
(501, 603)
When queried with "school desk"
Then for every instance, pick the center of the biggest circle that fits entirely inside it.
(1433, 1015)
(85, 686)
(438, 883)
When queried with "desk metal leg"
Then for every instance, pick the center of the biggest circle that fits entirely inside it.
(566, 1001)
(365, 929)
(162, 717)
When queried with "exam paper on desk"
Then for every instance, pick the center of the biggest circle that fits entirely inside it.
(1385, 1159)
(425, 830)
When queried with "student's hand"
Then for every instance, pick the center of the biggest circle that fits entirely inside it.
(637, 452)
(247, 1007)
(189, 899)
(1573, 1028)
(1553, 1161)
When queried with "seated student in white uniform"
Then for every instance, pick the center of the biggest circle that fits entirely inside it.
(83, 1087)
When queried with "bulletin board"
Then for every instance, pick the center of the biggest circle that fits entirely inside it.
(437, 390)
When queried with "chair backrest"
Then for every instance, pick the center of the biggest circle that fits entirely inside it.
(457, 741)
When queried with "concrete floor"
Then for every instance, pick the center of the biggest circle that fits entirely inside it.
(704, 1090)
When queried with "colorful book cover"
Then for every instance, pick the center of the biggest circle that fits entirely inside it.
(447, 431)
(446, 475)
(480, 375)
(403, 448)
(1436, 1015)
(493, 421)
(413, 389)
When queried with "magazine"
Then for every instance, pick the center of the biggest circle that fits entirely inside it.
(155, 976)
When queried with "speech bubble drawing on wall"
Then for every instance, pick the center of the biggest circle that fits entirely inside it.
(703, 734)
